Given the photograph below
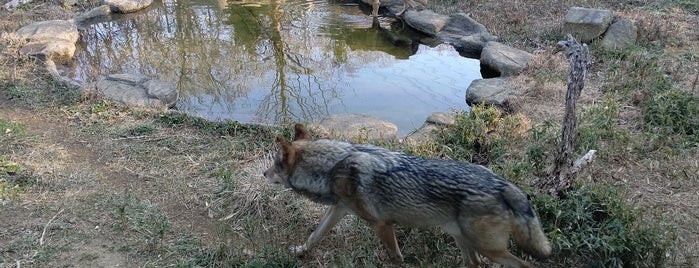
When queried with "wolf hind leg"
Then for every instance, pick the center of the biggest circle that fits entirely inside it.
(505, 258)
(468, 253)
(491, 236)
(332, 216)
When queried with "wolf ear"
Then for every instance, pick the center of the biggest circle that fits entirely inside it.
(288, 152)
(301, 133)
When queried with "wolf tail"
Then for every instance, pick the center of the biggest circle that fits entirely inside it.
(526, 230)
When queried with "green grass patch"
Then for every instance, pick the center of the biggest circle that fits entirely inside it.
(672, 113)
(15, 179)
(141, 130)
(593, 226)
(481, 135)
(38, 92)
(599, 129)
(689, 5)
(225, 128)
(142, 218)
(9, 129)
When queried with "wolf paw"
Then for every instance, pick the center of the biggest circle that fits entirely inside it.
(297, 251)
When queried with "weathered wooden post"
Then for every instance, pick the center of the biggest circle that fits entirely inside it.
(560, 173)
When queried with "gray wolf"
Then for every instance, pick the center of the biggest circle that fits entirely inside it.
(406, 4)
(468, 201)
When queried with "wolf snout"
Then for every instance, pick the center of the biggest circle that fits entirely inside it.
(272, 176)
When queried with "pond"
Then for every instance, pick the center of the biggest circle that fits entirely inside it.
(281, 61)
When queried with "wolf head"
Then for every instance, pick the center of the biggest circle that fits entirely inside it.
(286, 158)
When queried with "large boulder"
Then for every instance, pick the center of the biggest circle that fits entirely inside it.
(137, 90)
(586, 24)
(621, 34)
(52, 39)
(465, 34)
(352, 126)
(504, 59)
(493, 91)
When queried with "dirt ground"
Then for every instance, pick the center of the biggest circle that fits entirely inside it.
(84, 166)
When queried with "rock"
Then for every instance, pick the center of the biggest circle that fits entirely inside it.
(137, 90)
(621, 34)
(392, 6)
(350, 126)
(465, 34)
(53, 39)
(433, 122)
(462, 24)
(69, 3)
(49, 30)
(98, 12)
(423, 134)
(58, 50)
(127, 6)
(506, 60)
(586, 24)
(493, 91)
(15, 3)
(441, 118)
(425, 21)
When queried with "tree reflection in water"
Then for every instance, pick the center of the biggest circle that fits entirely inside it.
(273, 61)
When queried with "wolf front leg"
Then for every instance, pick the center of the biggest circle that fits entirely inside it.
(332, 216)
(387, 236)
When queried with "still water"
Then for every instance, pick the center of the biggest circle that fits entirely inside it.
(281, 61)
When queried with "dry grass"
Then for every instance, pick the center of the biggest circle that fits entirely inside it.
(139, 188)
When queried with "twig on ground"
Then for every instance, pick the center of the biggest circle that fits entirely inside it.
(142, 138)
(140, 174)
(43, 233)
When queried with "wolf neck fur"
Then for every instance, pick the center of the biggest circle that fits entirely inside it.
(314, 179)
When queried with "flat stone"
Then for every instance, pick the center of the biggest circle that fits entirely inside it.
(493, 91)
(57, 50)
(127, 6)
(137, 90)
(441, 118)
(351, 126)
(49, 30)
(426, 21)
(423, 134)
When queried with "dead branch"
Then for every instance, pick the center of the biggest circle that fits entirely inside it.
(582, 162)
(560, 173)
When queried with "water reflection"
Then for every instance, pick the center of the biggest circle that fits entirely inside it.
(280, 61)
